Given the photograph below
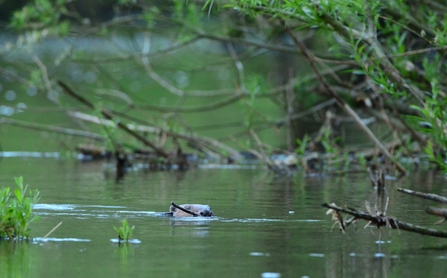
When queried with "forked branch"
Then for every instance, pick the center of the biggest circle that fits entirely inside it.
(391, 222)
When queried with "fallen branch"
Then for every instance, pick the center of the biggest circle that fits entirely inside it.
(429, 196)
(66, 131)
(206, 142)
(108, 115)
(96, 120)
(387, 221)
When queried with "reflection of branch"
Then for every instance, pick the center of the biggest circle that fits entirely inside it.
(386, 221)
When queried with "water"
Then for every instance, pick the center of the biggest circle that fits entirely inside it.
(265, 226)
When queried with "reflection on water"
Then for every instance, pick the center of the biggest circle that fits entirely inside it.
(254, 234)
(15, 259)
(131, 241)
(30, 154)
(47, 239)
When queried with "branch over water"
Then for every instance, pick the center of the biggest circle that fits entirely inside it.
(387, 221)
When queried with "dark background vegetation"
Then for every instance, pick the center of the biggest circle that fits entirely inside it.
(301, 77)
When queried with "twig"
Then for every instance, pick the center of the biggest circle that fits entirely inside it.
(45, 78)
(125, 58)
(52, 230)
(183, 209)
(261, 154)
(379, 52)
(389, 222)
(289, 98)
(204, 108)
(429, 196)
(14, 76)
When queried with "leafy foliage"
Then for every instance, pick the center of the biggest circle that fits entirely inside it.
(385, 56)
(16, 212)
(125, 231)
(398, 47)
(40, 15)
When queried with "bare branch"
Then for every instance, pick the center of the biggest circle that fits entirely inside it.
(205, 142)
(428, 196)
(342, 103)
(390, 222)
(66, 131)
(108, 115)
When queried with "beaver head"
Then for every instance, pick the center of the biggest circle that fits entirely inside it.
(199, 210)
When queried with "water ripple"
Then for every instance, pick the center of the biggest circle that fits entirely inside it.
(41, 239)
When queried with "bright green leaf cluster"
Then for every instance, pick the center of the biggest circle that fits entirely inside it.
(42, 15)
(16, 212)
(125, 231)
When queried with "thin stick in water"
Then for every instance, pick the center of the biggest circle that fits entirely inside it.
(52, 230)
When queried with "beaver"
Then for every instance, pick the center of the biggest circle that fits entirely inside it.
(190, 210)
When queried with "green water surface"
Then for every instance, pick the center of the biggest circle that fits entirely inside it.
(265, 226)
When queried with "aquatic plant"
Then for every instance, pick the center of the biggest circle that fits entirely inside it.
(125, 231)
(16, 212)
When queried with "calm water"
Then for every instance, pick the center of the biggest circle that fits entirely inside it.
(266, 227)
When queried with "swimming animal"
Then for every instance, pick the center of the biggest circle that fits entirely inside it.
(190, 210)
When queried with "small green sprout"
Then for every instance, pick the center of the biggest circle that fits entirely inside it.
(125, 231)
